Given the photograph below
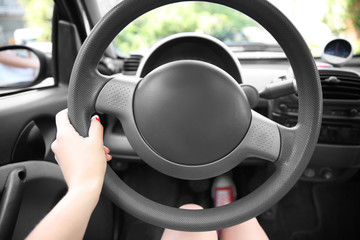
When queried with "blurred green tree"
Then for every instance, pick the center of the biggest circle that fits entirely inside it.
(353, 9)
(38, 13)
(335, 16)
(343, 18)
(219, 21)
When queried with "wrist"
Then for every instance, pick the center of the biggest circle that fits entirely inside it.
(89, 193)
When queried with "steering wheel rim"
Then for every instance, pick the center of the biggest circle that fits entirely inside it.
(297, 143)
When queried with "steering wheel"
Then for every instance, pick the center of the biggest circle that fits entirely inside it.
(191, 120)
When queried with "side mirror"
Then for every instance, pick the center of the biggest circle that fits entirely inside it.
(22, 67)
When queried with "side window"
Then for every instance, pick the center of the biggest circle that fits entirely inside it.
(26, 23)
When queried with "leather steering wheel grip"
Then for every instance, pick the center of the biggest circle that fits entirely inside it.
(297, 144)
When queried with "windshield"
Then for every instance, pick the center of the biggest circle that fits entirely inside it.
(319, 21)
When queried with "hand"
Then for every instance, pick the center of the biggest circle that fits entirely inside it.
(83, 163)
(82, 160)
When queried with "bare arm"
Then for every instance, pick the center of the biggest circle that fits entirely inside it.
(83, 163)
(69, 218)
(16, 61)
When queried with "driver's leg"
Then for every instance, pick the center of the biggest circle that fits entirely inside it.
(224, 192)
(249, 230)
(174, 235)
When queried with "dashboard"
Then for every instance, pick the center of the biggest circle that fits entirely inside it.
(338, 147)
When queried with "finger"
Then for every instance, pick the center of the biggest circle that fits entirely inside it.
(62, 121)
(96, 129)
(108, 157)
(53, 146)
(106, 150)
(56, 159)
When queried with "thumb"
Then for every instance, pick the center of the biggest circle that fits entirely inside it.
(96, 129)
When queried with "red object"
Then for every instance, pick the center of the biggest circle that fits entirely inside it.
(223, 196)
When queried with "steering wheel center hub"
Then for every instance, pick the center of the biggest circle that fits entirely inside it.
(191, 112)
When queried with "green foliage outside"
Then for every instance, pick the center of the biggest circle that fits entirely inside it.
(216, 20)
(335, 16)
(39, 14)
(343, 15)
(353, 7)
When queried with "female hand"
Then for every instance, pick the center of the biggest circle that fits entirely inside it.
(83, 164)
(82, 160)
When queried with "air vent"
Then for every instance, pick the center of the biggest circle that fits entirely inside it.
(340, 85)
(131, 64)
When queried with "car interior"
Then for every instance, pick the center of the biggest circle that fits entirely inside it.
(186, 91)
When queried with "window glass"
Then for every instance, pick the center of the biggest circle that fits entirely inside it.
(319, 21)
(26, 22)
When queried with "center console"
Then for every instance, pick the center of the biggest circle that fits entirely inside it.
(339, 141)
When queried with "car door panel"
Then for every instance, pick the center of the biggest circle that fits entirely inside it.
(17, 110)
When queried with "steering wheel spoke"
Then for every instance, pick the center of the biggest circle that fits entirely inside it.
(115, 98)
(263, 139)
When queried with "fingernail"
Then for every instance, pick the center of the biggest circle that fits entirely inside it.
(96, 118)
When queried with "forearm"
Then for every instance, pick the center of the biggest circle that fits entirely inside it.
(16, 61)
(83, 164)
(69, 218)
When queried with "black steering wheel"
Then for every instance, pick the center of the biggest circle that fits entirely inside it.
(191, 120)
